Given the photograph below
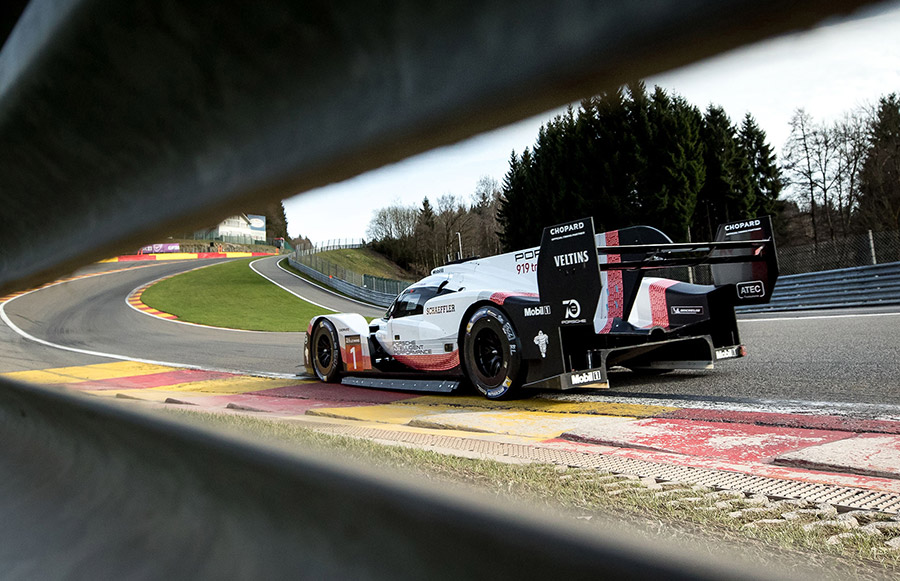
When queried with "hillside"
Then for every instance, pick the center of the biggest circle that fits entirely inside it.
(366, 261)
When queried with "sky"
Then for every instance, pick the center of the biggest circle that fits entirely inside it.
(828, 71)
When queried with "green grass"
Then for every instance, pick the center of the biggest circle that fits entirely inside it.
(366, 261)
(231, 295)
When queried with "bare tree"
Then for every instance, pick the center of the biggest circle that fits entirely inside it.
(452, 217)
(798, 158)
(485, 206)
(852, 137)
(394, 222)
(823, 164)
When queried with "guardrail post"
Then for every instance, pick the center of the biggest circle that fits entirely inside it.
(872, 247)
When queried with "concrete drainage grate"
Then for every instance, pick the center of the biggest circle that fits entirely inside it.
(841, 497)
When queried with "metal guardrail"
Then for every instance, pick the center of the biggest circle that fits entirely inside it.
(846, 287)
(251, 102)
(363, 282)
(370, 296)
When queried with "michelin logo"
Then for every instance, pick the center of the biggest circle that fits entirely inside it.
(695, 311)
(542, 340)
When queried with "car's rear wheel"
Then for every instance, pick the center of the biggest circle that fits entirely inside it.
(492, 354)
(325, 352)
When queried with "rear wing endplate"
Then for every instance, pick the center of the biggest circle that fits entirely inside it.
(742, 255)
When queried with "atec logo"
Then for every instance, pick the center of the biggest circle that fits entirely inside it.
(752, 289)
(572, 308)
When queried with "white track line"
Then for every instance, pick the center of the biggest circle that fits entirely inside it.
(28, 336)
(301, 297)
(814, 317)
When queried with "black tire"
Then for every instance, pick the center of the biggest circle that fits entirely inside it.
(492, 354)
(325, 352)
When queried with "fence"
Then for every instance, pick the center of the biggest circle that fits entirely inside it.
(367, 294)
(850, 252)
(366, 282)
(860, 286)
(231, 239)
(853, 251)
(336, 244)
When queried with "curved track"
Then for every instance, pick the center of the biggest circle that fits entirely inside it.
(90, 314)
(841, 356)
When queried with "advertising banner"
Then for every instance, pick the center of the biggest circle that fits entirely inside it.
(161, 248)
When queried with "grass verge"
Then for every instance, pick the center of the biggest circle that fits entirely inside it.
(604, 500)
(231, 295)
(286, 264)
(366, 261)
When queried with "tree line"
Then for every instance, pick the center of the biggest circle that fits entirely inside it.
(419, 238)
(631, 156)
(843, 176)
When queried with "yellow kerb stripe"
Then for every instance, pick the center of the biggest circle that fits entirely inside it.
(61, 375)
(542, 405)
(229, 385)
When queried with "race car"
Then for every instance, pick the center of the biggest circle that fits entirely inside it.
(557, 316)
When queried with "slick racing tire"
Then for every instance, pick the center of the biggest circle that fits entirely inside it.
(492, 354)
(325, 352)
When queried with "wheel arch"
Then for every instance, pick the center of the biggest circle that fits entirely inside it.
(464, 320)
(344, 324)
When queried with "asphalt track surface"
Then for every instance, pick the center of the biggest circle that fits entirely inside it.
(841, 356)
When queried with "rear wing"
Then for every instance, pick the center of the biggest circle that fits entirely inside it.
(743, 255)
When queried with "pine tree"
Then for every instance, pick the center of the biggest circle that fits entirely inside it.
(627, 157)
(675, 170)
(766, 183)
(725, 179)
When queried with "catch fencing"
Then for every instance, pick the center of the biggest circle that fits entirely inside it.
(366, 287)
(853, 251)
(363, 293)
(870, 248)
(861, 286)
(336, 244)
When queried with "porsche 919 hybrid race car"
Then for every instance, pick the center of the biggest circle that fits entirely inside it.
(558, 316)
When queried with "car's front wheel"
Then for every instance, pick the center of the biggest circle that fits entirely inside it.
(492, 354)
(325, 352)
